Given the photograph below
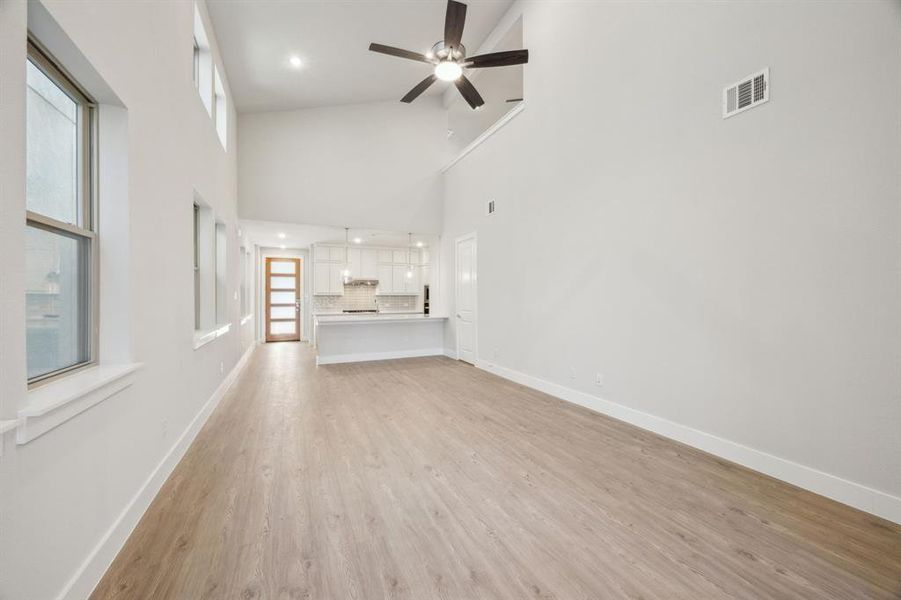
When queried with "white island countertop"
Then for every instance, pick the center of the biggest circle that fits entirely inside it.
(368, 318)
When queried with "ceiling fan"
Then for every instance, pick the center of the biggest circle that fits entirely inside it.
(448, 57)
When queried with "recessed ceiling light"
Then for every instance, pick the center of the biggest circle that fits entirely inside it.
(282, 246)
(419, 244)
(281, 236)
(295, 62)
(358, 240)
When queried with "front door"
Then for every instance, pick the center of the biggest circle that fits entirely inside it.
(282, 299)
(465, 286)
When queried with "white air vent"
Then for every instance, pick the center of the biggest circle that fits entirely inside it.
(489, 208)
(747, 93)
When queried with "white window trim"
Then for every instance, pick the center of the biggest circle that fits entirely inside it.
(202, 338)
(54, 403)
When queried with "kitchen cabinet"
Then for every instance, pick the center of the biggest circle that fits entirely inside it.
(393, 281)
(328, 279)
(368, 264)
(363, 263)
(412, 284)
(354, 262)
(321, 254)
(388, 265)
(386, 280)
(337, 254)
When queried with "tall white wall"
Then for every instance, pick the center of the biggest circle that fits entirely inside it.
(61, 493)
(367, 165)
(739, 277)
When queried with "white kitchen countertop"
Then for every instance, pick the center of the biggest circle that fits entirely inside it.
(376, 318)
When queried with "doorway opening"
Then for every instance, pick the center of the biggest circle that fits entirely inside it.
(283, 293)
(465, 281)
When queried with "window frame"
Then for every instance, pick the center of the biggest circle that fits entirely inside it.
(196, 63)
(87, 210)
(197, 323)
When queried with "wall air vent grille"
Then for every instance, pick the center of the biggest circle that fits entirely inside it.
(746, 93)
(489, 208)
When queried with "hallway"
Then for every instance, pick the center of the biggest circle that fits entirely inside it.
(426, 478)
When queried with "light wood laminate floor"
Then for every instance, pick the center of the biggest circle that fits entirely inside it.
(427, 478)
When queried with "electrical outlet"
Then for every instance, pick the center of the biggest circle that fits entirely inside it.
(599, 379)
(572, 372)
(221, 368)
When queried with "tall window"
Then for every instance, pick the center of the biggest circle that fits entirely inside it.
(221, 110)
(221, 272)
(60, 239)
(196, 267)
(196, 63)
(244, 296)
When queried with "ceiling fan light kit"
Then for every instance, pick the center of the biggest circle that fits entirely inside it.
(448, 58)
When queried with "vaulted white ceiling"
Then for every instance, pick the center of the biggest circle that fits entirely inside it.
(258, 37)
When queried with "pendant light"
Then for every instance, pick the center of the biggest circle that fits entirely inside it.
(409, 256)
(346, 272)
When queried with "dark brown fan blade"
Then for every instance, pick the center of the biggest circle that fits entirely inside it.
(453, 23)
(382, 49)
(420, 88)
(469, 92)
(498, 59)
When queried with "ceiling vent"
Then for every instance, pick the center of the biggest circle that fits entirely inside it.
(749, 92)
(489, 208)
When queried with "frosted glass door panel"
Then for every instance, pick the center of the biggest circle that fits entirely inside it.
(278, 267)
(282, 298)
(282, 283)
(281, 312)
(282, 327)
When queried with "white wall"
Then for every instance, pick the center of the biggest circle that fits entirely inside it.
(61, 493)
(366, 165)
(740, 276)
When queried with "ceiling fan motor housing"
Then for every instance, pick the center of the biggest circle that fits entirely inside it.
(441, 52)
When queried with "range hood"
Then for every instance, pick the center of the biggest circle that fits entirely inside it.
(367, 282)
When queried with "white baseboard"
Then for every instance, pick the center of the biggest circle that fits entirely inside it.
(350, 358)
(844, 491)
(450, 353)
(88, 575)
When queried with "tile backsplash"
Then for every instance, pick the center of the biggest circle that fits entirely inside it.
(361, 297)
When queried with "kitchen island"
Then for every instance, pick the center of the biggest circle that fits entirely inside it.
(364, 337)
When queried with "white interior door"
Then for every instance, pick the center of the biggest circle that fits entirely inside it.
(465, 286)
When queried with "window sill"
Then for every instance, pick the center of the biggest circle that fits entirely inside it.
(202, 338)
(52, 404)
(245, 319)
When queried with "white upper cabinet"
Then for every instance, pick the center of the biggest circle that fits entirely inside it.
(321, 254)
(328, 279)
(368, 262)
(411, 284)
(388, 265)
(386, 279)
(336, 254)
(355, 263)
(322, 279)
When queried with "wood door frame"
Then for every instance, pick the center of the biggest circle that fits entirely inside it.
(267, 302)
(475, 293)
